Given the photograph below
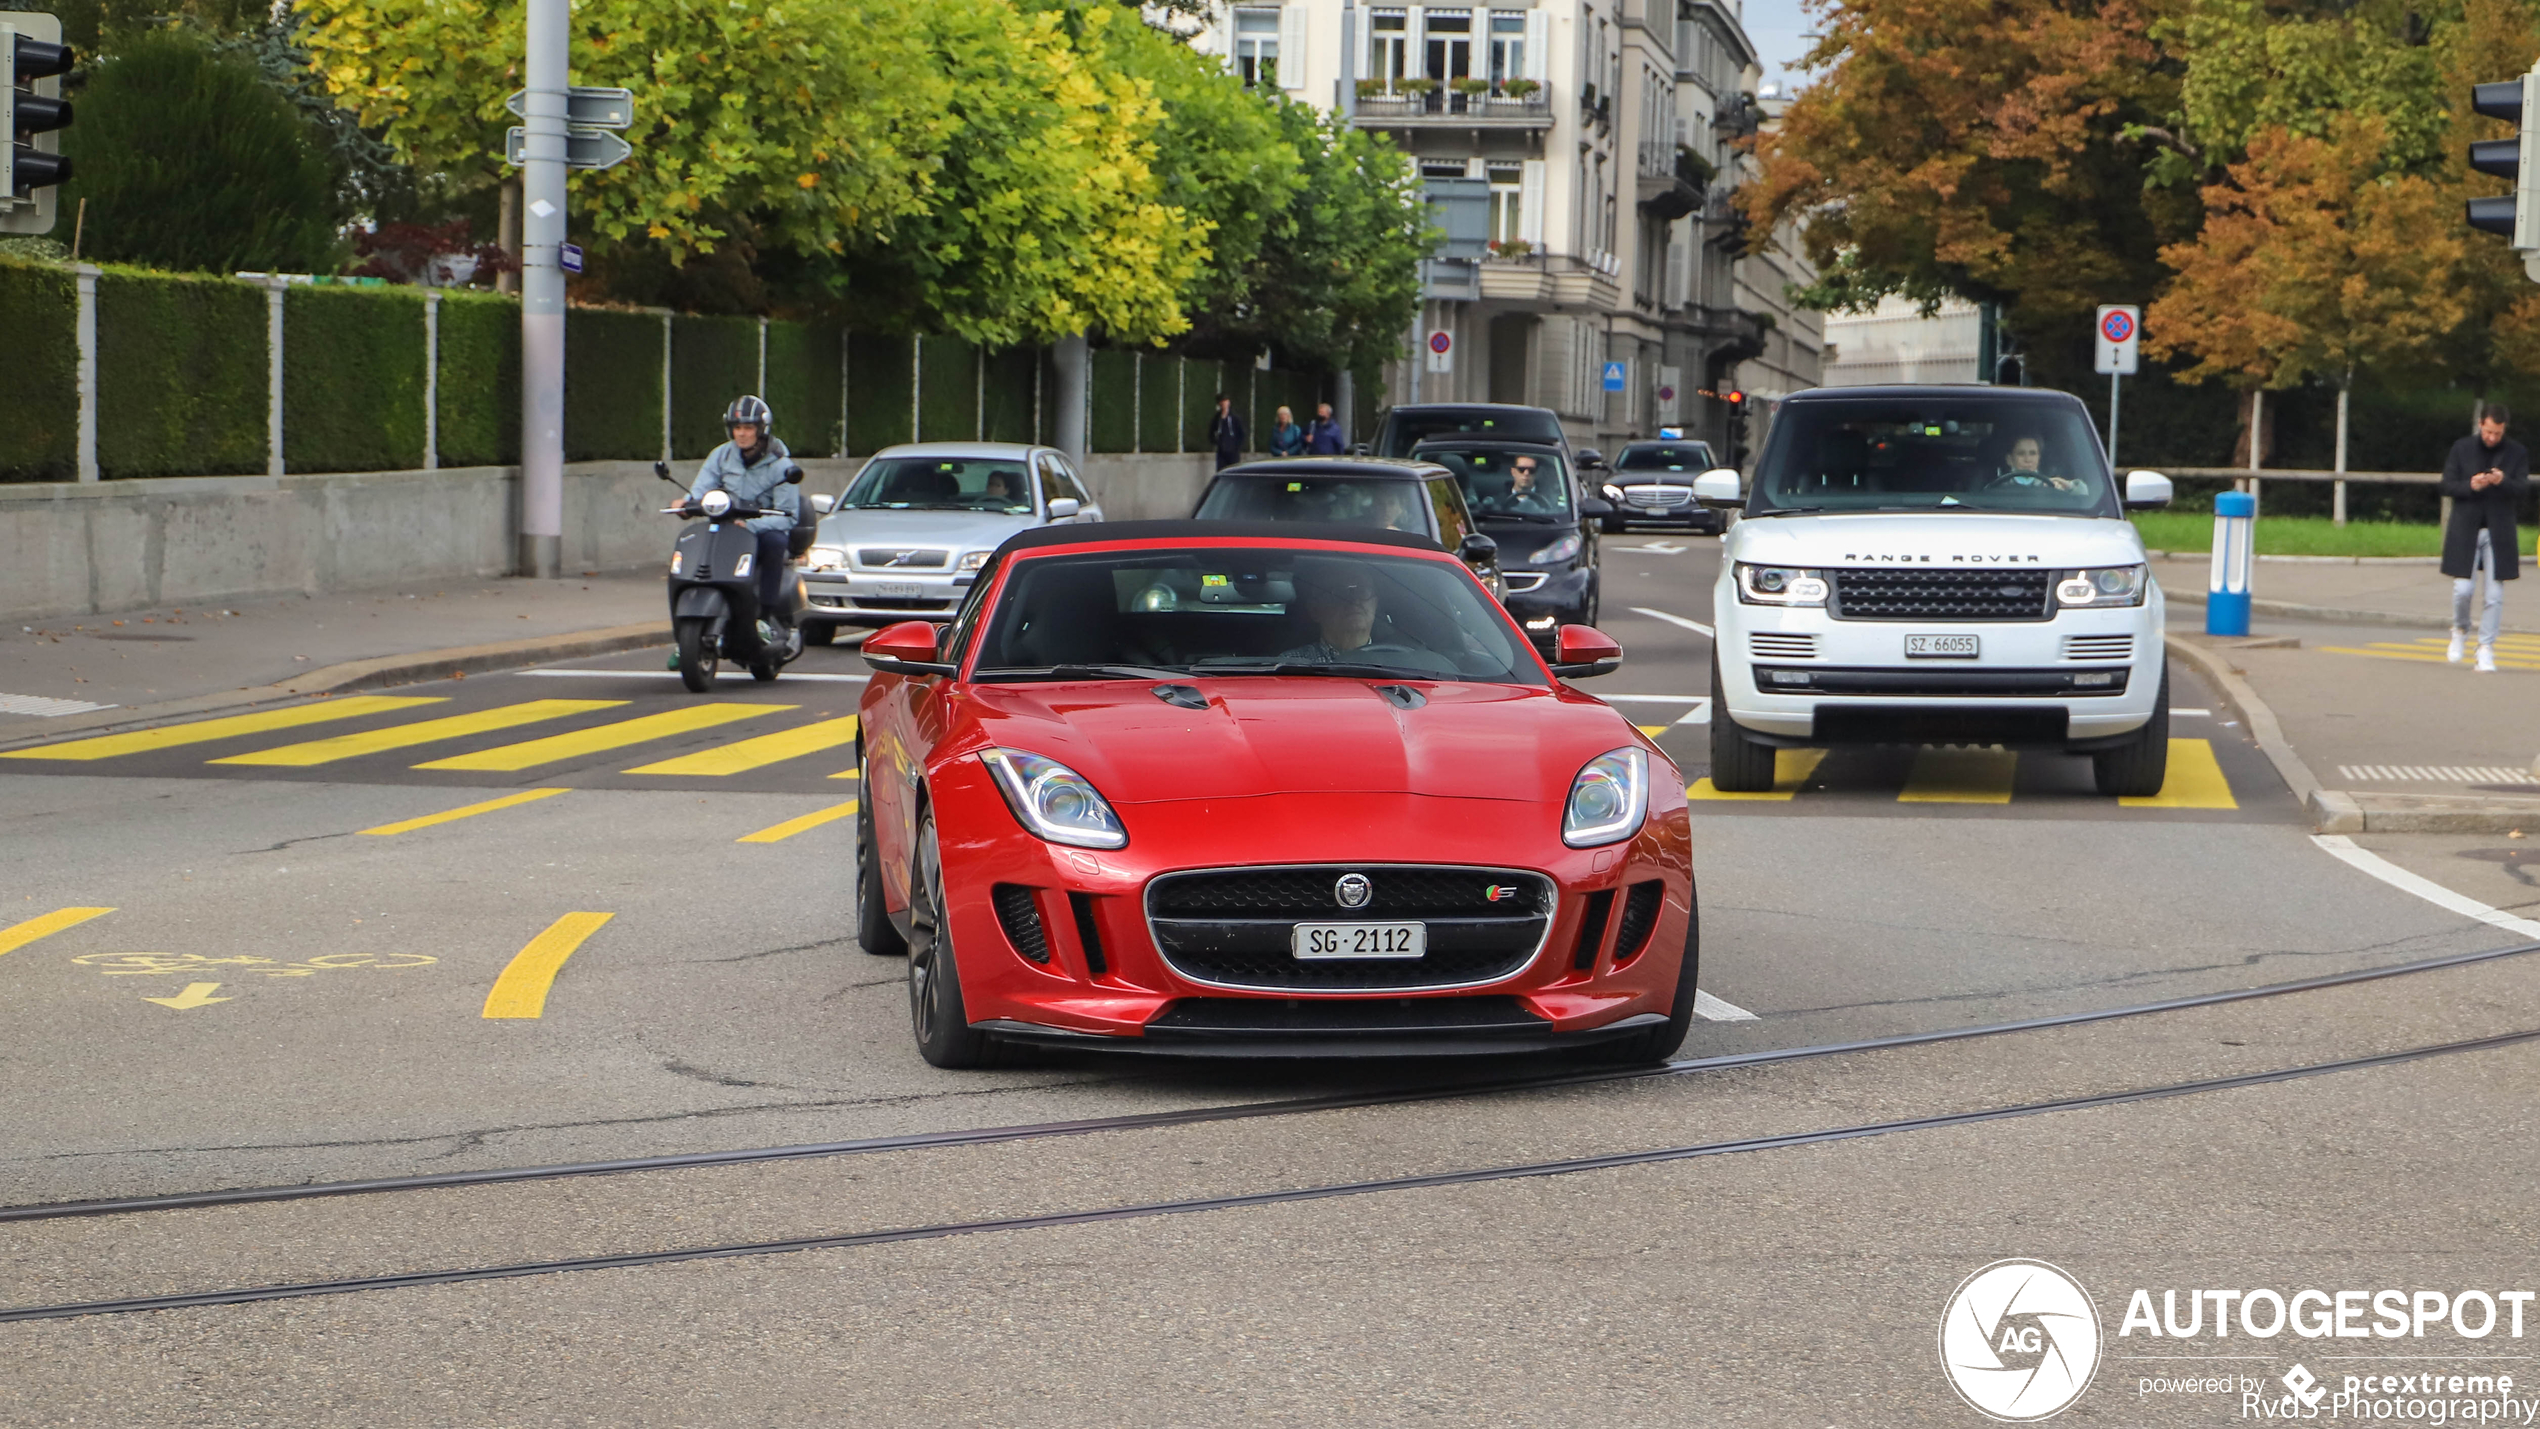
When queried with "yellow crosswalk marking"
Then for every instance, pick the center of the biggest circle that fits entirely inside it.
(2195, 780)
(602, 738)
(848, 774)
(144, 741)
(780, 832)
(467, 811)
(402, 736)
(2510, 654)
(18, 936)
(1791, 768)
(521, 991)
(755, 753)
(1654, 730)
(1961, 776)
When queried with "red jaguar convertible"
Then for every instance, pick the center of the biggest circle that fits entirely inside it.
(1264, 790)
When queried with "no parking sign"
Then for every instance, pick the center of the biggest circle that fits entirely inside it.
(2117, 340)
(1441, 351)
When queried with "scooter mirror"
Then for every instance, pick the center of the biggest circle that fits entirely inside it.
(793, 476)
(662, 470)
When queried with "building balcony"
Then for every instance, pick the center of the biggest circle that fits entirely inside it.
(1443, 107)
(1533, 276)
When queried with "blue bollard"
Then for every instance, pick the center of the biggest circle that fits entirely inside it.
(2235, 549)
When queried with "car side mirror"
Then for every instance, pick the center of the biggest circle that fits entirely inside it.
(1065, 507)
(823, 503)
(1477, 549)
(1590, 458)
(1582, 651)
(1595, 507)
(2146, 489)
(1718, 489)
(907, 648)
(793, 476)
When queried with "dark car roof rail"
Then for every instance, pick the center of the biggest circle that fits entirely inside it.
(1276, 532)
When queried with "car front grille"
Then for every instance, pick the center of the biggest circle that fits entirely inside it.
(1522, 581)
(1019, 913)
(901, 558)
(888, 602)
(1232, 927)
(1640, 915)
(1657, 497)
(2098, 647)
(1781, 645)
(1942, 595)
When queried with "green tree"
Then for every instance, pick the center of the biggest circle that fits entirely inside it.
(189, 160)
(1338, 278)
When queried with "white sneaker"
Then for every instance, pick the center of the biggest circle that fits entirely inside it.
(2486, 660)
(2452, 652)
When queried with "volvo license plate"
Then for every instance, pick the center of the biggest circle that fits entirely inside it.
(901, 590)
(1313, 942)
(1942, 647)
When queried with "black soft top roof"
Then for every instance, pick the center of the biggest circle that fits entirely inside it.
(1271, 532)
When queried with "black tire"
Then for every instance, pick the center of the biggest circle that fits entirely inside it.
(1739, 765)
(819, 632)
(2139, 767)
(764, 671)
(874, 930)
(696, 662)
(935, 1011)
(1657, 1044)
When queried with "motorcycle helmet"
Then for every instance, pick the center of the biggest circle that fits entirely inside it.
(749, 409)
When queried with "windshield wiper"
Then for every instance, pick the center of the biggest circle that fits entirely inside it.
(1081, 672)
(1317, 667)
(1538, 517)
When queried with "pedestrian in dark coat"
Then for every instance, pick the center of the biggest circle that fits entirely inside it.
(1323, 437)
(1226, 433)
(2486, 477)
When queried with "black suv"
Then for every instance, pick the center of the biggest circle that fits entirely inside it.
(1416, 496)
(1406, 427)
(1526, 500)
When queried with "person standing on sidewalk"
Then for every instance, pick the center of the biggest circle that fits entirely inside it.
(2485, 476)
(1226, 433)
(1324, 437)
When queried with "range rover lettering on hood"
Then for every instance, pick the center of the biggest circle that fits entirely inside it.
(1970, 560)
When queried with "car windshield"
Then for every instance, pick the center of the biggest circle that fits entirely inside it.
(1230, 612)
(1937, 453)
(1509, 484)
(1692, 458)
(1405, 430)
(1388, 503)
(931, 483)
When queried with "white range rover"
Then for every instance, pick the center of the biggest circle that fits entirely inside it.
(1937, 565)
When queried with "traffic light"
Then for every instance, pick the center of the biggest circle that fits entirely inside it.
(32, 59)
(1736, 426)
(2515, 215)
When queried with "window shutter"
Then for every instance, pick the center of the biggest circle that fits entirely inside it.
(1530, 203)
(1538, 43)
(1292, 47)
(1415, 63)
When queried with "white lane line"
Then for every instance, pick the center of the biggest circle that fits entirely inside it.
(2343, 848)
(45, 706)
(1657, 699)
(1664, 548)
(1713, 1009)
(2199, 714)
(1699, 714)
(1696, 626)
(673, 675)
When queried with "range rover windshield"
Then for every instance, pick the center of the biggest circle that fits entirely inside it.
(1971, 453)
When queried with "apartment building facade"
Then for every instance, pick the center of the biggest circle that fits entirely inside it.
(1580, 156)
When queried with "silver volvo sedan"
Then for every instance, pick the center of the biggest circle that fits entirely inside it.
(908, 537)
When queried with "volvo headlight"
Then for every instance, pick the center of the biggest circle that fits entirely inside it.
(975, 560)
(826, 558)
(1779, 585)
(1608, 800)
(1054, 801)
(2101, 586)
(1566, 548)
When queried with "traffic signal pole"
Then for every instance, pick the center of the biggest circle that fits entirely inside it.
(542, 290)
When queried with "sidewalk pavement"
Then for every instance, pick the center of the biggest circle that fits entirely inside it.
(2411, 592)
(52, 672)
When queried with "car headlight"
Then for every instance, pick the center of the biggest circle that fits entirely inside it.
(1779, 585)
(1565, 549)
(975, 560)
(825, 558)
(1054, 801)
(2102, 586)
(1608, 799)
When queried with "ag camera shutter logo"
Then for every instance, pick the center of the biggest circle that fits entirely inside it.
(2019, 1341)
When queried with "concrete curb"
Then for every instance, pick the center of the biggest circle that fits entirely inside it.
(2262, 723)
(360, 674)
(2290, 610)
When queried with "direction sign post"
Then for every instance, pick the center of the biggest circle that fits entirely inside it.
(2116, 345)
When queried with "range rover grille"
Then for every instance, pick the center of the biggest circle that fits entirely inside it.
(2021, 594)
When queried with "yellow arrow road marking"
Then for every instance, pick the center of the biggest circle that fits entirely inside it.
(848, 774)
(402, 736)
(791, 827)
(602, 738)
(18, 936)
(196, 994)
(1653, 730)
(753, 753)
(2195, 781)
(468, 811)
(144, 741)
(1960, 776)
(522, 989)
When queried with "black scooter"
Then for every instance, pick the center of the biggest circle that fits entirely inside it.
(714, 605)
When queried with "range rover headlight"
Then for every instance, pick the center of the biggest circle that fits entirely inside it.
(2101, 586)
(1054, 801)
(975, 560)
(826, 558)
(1779, 585)
(1608, 800)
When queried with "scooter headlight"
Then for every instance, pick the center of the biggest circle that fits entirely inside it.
(716, 503)
(1608, 800)
(1054, 801)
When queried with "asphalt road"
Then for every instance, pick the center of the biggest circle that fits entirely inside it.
(286, 990)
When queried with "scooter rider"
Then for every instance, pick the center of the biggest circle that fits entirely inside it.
(752, 466)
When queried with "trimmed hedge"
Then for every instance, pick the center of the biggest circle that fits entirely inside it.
(802, 385)
(181, 370)
(612, 385)
(39, 369)
(877, 393)
(479, 383)
(1112, 424)
(712, 361)
(1201, 382)
(1010, 415)
(1159, 401)
(948, 390)
(352, 379)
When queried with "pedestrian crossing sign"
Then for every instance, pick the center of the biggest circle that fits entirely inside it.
(1614, 376)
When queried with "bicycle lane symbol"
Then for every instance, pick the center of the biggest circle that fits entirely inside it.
(199, 994)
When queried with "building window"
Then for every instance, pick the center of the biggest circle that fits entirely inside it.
(1257, 47)
(1507, 46)
(1507, 202)
(1449, 49)
(1389, 47)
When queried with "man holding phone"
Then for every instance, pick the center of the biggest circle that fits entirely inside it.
(2485, 476)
